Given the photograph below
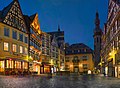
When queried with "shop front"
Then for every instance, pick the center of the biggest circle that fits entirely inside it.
(118, 70)
(46, 68)
(34, 67)
(111, 69)
(11, 66)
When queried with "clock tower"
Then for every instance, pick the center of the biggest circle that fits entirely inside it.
(97, 40)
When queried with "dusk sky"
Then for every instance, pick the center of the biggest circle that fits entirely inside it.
(75, 17)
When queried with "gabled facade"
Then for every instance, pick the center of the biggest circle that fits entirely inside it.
(46, 53)
(13, 40)
(79, 59)
(59, 35)
(35, 42)
(110, 52)
(12, 16)
(54, 54)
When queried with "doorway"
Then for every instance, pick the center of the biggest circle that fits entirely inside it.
(76, 69)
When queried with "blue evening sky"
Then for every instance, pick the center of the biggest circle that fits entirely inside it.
(75, 17)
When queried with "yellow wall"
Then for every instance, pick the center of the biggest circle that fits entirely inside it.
(81, 62)
(10, 40)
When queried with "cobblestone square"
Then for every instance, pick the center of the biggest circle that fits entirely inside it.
(59, 82)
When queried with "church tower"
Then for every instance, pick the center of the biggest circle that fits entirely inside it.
(97, 40)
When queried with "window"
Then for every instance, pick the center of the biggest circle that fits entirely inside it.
(26, 50)
(14, 47)
(85, 50)
(85, 66)
(25, 65)
(26, 39)
(21, 49)
(2, 65)
(97, 40)
(84, 58)
(82, 50)
(75, 59)
(21, 37)
(14, 34)
(17, 64)
(6, 32)
(31, 31)
(9, 64)
(67, 59)
(75, 51)
(6, 46)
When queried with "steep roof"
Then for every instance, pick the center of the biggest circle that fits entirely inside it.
(32, 17)
(5, 10)
(58, 35)
(78, 48)
(27, 21)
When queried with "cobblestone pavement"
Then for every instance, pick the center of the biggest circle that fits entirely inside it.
(59, 82)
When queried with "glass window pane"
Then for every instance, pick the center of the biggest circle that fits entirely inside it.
(26, 50)
(25, 65)
(14, 47)
(6, 46)
(6, 32)
(26, 39)
(21, 37)
(1, 66)
(14, 34)
(9, 64)
(17, 64)
(21, 49)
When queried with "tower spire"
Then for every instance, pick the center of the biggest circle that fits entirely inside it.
(97, 40)
(58, 27)
(97, 20)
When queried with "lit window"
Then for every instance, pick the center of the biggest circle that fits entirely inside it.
(14, 47)
(21, 49)
(2, 65)
(26, 50)
(9, 64)
(25, 65)
(6, 46)
(17, 64)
